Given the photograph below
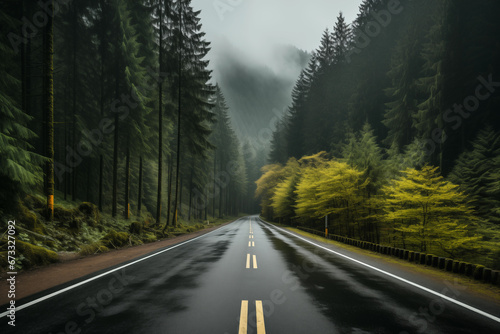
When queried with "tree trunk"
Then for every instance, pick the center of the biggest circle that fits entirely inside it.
(178, 121)
(181, 187)
(160, 123)
(115, 150)
(101, 157)
(74, 95)
(190, 195)
(126, 213)
(101, 179)
(169, 195)
(48, 69)
(221, 191)
(215, 172)
(115, 168)
(139, 196)
(66, 140)
(89, 170)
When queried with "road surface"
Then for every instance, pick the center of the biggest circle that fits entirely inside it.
(252, 277)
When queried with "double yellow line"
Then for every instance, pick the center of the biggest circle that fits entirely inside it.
(254, 262)
(251, 244)
(261, 328)
(258, 303)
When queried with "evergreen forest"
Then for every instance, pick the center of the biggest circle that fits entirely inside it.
(109, 117)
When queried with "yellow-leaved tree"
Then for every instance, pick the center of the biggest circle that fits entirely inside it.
(333, 189)
(283, 199)
(429, 213)
(306, 190)
(266, 185)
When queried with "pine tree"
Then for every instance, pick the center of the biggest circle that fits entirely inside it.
(279, 146)
(19, 167)
(363, 153)
(442, 83)
(405, 66)
(341, 38)
(294, 128)
(365, 9)
(476, 170)
(48, 103)
(325, 52)
(193, 90)
(160, 12)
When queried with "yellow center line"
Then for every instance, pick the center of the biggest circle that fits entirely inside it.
(253, 243)
(249, 244)
(254, 262)
(248, 261)
(243, 317)
(261, 328)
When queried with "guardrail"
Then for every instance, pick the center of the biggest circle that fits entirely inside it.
(475, 271)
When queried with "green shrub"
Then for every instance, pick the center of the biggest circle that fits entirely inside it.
(94, 248)
(29, 219)
(63, 215)
(91, 213)
(135, 228)
(34, 202)
(149, 237)
(35, 255)
(115, 239)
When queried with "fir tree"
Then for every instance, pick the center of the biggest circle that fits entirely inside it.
(403, 92)
(476, 171)
(48, 104)
(341, 39)
(19, 167)
(192, 87)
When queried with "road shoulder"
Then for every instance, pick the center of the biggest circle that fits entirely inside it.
(481, 295)
(39, 279)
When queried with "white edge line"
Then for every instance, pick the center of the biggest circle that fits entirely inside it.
(53, 294)
(470, 308)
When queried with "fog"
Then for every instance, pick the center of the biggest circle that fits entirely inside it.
(256, 26)
(267, 37)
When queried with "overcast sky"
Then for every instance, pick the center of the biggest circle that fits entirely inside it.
(254, 26)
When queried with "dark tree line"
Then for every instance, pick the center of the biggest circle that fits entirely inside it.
(132, 122)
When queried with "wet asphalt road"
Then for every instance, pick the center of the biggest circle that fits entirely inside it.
(252, 275)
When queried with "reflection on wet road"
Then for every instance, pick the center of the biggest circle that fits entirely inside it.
(248, 277)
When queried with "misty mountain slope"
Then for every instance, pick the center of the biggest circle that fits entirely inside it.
(253, 91)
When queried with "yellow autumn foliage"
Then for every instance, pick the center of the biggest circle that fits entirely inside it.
(429, 211)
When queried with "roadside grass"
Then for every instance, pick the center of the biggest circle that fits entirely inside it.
(484, 290)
